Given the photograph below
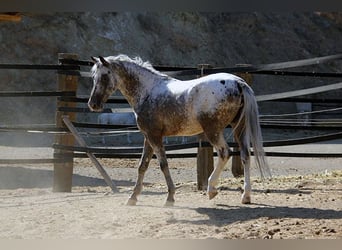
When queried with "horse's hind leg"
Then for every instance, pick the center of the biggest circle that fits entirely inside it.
(222, 149)
(247, 188)
(143, 165)
(241, 139)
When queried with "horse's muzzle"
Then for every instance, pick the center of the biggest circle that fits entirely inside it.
(95, 107)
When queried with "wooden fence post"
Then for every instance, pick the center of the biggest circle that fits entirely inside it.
(62, 177)
(205, 154)
(237, 168)
(205, 163)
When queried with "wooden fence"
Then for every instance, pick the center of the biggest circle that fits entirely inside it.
(68, 74)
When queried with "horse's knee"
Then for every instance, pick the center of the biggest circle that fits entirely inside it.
(142, 169)
(244, 155)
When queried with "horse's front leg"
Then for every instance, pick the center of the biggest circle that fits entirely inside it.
(164, 166)
(143, 165)
(161, 155)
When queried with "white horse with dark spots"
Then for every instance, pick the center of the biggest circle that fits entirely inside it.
(165, 106)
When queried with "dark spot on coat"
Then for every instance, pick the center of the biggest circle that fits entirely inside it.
(223, 82)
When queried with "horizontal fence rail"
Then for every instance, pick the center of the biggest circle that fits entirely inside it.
(60, 67)
(32, 161)
(194, 155)
(129, 128)
(127, 151)
(42, 128)
(308, 91)
(37, 93)
(72, 67)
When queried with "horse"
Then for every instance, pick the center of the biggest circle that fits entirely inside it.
(118, 118)
(165, 106)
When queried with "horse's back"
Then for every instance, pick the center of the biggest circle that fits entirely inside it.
(214, 89)
(220, 76)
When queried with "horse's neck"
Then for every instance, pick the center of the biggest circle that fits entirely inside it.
(137, 83)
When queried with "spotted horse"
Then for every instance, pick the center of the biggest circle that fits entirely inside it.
(165, 106)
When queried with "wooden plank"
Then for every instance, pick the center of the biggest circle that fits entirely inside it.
(13, 17)
(92, 157)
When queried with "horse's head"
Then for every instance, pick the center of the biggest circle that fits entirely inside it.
(104, 83)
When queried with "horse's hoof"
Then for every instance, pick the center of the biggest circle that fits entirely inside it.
(212, 194)
(131, 202)
(246, 200)
(169, 203)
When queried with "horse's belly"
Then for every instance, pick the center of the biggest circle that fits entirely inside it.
(184, 128)
(190, 130)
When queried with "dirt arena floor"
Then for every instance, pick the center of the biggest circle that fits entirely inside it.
(302, 201)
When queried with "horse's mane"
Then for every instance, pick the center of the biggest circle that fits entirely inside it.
(137, 61)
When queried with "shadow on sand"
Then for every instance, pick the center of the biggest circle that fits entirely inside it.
(21, 177)
(224, 215)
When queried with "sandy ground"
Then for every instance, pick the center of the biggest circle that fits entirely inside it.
(303, 200)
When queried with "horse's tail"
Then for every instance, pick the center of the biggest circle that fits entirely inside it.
(252, 129)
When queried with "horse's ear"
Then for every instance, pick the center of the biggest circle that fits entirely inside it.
(94, 59)
(104, 62)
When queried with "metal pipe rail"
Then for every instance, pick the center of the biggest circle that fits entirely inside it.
(52, 128)
(37, 93)
(137, 150)
(268, 69)
(194, 155)
(59, 67)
